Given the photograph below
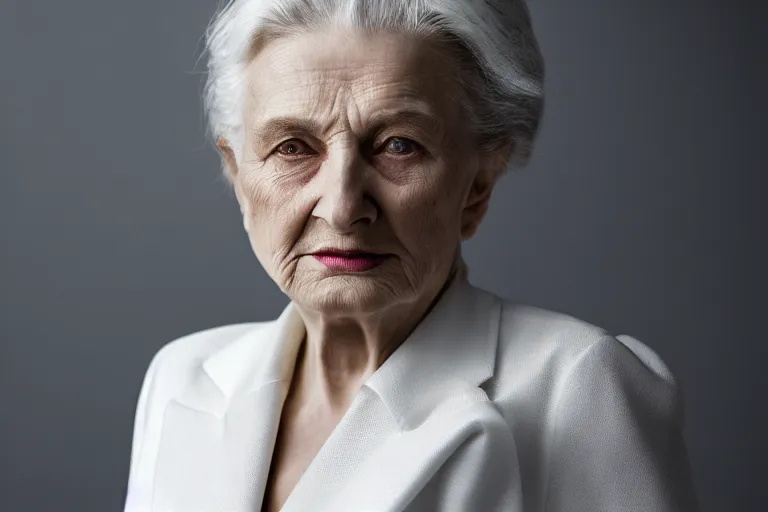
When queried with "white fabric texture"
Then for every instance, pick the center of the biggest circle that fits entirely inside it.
(488, 406)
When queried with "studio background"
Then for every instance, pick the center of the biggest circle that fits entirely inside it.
(642, 212)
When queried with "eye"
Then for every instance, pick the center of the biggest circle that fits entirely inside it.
(401, 146)
(292, 147)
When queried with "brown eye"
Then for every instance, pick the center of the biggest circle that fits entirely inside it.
(292, 147)
(402, 146)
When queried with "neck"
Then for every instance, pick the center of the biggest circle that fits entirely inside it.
(339, 353)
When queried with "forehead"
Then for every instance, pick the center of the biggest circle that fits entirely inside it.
(325, 74)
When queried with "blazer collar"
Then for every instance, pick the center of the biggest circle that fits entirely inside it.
(422, 405)
(455, 344)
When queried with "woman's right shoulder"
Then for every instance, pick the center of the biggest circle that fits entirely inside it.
(186, 353)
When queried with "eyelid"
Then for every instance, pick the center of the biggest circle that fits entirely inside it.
(285, 141)
(419, 147)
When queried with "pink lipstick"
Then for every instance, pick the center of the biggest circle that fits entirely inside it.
(349, 261)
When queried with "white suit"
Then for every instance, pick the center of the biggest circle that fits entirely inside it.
(488, 406)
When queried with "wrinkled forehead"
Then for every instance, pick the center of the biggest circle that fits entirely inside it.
(324, 74)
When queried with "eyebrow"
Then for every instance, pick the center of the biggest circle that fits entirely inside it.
(272, 128)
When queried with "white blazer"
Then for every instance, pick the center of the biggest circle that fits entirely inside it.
(488, 406)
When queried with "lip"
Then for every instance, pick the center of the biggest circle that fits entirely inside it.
(344, 253)
(349, 260)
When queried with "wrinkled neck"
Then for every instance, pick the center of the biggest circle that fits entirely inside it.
(338, 355)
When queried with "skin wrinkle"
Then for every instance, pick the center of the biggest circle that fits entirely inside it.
(349, 191)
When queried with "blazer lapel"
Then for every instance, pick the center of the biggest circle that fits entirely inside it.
(420, 408)
(218, 436)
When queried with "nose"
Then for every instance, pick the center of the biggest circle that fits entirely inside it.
(344, 202)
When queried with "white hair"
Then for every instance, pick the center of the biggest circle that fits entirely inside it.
(502, 70)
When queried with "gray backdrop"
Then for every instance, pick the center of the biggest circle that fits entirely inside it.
(641, 212)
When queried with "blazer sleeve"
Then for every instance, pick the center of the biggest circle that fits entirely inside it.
(139, 481)
(616, 441)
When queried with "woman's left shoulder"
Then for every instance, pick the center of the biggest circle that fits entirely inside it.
(548, 348)
(597, 417)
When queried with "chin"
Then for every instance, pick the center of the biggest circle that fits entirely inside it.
(350, 294)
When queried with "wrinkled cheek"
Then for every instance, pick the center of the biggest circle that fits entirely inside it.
(421, 238)
(257, 237)
(271, 233)
(432, 235)
(257, 223)
(431, 221)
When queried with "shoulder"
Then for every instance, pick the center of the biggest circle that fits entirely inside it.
(561, 338)
(181, 356)
(597, 417)
(546, 352)
(199, 344)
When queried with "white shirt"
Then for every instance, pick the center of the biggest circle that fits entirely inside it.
(488, 406)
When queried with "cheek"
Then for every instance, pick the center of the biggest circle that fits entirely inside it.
(274, 221)
(426, 216)
(258, 203)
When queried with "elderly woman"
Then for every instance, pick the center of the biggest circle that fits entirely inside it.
(362, 139)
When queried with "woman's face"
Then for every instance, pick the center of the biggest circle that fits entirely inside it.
(356, 142)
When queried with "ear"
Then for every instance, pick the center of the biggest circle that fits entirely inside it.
(228, 158)
(491, 167)
(229, 162)
(477, 203)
